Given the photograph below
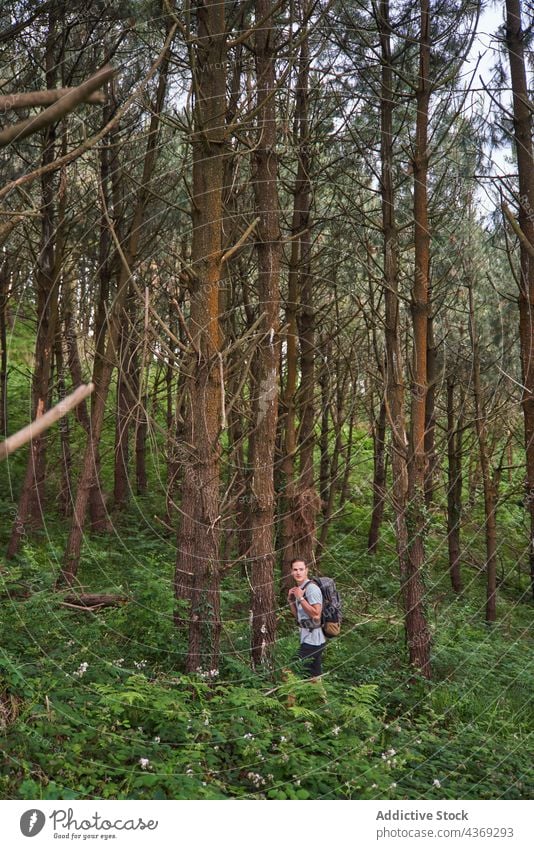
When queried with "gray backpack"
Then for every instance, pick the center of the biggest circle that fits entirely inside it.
(331, 611)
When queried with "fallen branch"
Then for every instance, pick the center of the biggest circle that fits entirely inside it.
(93, 601)
(28, 99)
(45, 421)
(57, 110)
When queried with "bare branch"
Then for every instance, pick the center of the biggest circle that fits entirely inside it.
(30, 99)
(57, 110)
(45, 421)
(517, 229)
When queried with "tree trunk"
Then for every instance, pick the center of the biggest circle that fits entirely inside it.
(523, 129)
(417, 632)
(104, 365)
(409, 543)
(29, 512)
(490, 500)
(197, 564)
(430, 413)
(97, 507)
(141, 431)
(65, 498)
(125, 402)
(4, 296)
(334, 485)
(291, 501)
(379, 479)
(345, 487)
(267, 355)
(307, 494)
(454, 488)
(140, 383)
(324, 439)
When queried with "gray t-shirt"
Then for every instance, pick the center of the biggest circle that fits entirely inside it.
(313, 595)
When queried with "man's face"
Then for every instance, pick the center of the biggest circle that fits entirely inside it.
(299, 570)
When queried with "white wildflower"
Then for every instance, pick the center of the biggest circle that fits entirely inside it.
(82, 669)
(436, 782)
(256, 779)
(139, 664)
(144, 763)
(336, 730)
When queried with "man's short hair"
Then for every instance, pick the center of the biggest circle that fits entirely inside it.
(298, 560)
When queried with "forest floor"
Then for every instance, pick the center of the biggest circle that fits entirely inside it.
(96, 704)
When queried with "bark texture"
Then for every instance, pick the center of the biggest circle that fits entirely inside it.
(197, 566)
(267, 356)
(523, 129)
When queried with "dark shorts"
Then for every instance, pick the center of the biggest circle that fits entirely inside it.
(312, 657)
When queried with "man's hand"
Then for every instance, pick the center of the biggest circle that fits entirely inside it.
(295, 594)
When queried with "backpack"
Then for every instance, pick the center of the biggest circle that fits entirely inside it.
(331, 611)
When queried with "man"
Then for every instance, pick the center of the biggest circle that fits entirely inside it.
(306, 602)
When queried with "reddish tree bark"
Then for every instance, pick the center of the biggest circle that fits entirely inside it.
(523, 132)
(104, 367)
(294, 524)
(197, 565)
(417, 632)
(407, 469)
(267, 355)
(29, 511)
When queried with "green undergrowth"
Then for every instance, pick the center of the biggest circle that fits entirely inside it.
(97, 705)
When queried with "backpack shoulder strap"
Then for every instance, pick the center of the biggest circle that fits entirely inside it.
(312, 581)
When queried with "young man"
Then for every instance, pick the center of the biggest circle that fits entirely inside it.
(306, 602)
